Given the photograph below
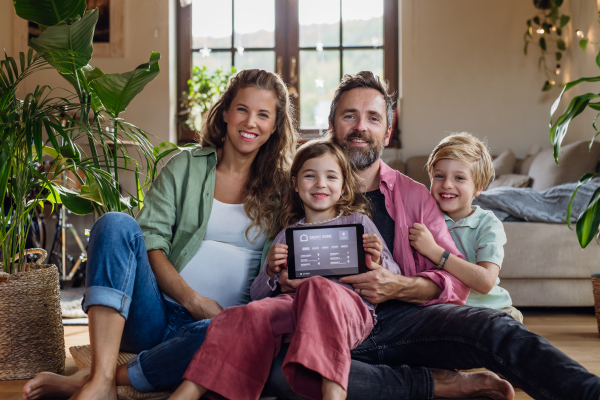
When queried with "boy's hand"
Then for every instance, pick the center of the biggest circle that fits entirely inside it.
(372, 244)
(276, 259)
(422, 240)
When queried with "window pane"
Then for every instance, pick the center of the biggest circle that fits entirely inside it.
(207, 30)
(255, 59)
(319, 22)
(362, 26)
(319, 76)
(254, 23)
(214, 61)
(363, 60)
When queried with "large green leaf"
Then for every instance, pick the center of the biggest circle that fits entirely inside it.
(589, 220)
(68, 47)
(49, 12)
(81, 82)
(117, 90)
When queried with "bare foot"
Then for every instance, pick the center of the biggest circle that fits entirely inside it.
(332, 390)
(453, 384)
(97, 388)
(47, 384)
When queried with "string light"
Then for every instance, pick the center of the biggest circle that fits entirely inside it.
(553, 28)
(552, 83)
(579, 33)
(540, 31)
(557, 69)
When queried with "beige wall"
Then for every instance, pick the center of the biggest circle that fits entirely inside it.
(6, 10)
(463, 69)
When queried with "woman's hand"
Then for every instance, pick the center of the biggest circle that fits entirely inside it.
(422, 240)
(372, 244)
(203, 308)
(276, 259)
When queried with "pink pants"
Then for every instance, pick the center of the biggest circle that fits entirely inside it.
(325, 321)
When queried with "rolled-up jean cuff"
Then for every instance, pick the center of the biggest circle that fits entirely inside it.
(136, 375)
(431, 386)
(108, 297)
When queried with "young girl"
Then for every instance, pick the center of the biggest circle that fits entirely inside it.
(322, 321)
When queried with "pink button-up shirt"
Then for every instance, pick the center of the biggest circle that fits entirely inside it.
(407, 202)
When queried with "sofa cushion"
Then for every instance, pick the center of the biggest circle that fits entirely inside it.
(512, 180)
(523, 165)
(505, 163)
(415, 169)
(575, 160)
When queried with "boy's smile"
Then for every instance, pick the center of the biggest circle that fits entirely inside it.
(453, 188)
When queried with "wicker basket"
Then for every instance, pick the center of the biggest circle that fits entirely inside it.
(31, 330)
(596, 287)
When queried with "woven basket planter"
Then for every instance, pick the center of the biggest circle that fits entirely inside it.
(31, 330)
(596, 287)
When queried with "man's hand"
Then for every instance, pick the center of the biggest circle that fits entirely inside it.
(422, 240)
(376, 286)
(203, 308)
(288, 285)
(276, 259)
(372, 244)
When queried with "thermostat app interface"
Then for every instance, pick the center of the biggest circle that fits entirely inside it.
(325, 251)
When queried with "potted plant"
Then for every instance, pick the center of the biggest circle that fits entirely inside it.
(52, 125)
(204, 90)
(588, 221)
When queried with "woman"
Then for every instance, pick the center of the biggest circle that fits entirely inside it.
(201, 236)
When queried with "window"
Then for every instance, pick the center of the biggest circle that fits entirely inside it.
(310, 43)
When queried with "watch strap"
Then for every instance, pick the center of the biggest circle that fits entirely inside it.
(445, 257)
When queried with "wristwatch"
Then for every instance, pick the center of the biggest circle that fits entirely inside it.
(444, 259)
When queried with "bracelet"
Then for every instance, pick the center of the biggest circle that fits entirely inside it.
(445, 257)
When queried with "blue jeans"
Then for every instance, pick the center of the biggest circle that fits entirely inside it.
(452, 337)
(119, 276)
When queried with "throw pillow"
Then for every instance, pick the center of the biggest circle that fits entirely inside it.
(512, 180)
(575, 160)
(505, 163)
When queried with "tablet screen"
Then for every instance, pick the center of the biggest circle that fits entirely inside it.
(326, 251)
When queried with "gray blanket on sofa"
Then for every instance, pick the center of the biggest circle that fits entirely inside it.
(526, 204)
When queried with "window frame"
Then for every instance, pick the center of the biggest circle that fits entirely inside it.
(286, 49)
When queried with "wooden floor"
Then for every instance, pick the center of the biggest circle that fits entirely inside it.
(574, 331)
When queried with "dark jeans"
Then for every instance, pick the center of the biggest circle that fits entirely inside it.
(452, 337)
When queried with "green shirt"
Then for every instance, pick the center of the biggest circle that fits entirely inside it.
(480, 237)
(177, 207)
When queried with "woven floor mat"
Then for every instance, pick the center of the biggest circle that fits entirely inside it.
(83, 358)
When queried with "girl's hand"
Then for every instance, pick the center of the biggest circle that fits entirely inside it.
(276, 259)
(422, 240)
(372, 244)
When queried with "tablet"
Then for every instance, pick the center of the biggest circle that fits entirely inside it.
(331, 251)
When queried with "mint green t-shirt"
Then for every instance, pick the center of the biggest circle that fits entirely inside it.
(480, 237)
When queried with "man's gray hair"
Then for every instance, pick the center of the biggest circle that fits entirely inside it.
(367, 80)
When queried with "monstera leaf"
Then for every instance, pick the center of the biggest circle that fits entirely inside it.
(117, 90)
(68, 47)
(49, 12)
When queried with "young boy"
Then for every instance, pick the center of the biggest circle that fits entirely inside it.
(460, 167)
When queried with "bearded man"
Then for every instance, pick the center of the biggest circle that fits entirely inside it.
(423, 333)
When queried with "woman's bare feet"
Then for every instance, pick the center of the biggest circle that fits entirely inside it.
(332, 390)
(47, 384)
(97, 388)
(453, 384)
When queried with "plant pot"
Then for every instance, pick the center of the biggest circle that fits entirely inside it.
(596, 288)
(31, 330)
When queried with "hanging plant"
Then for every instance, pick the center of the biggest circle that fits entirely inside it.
(546, 31)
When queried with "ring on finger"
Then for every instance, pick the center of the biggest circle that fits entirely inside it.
(360, 292)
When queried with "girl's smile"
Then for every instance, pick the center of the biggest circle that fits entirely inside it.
(319, 184)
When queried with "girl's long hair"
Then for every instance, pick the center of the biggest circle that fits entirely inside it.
(269, 174)
(351, 200)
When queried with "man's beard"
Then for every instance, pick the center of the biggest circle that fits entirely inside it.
(361, 157)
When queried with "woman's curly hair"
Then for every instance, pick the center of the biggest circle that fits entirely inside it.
(351, 200)
(268, 179)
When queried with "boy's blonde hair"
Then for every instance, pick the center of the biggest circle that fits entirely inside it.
(469, 150)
